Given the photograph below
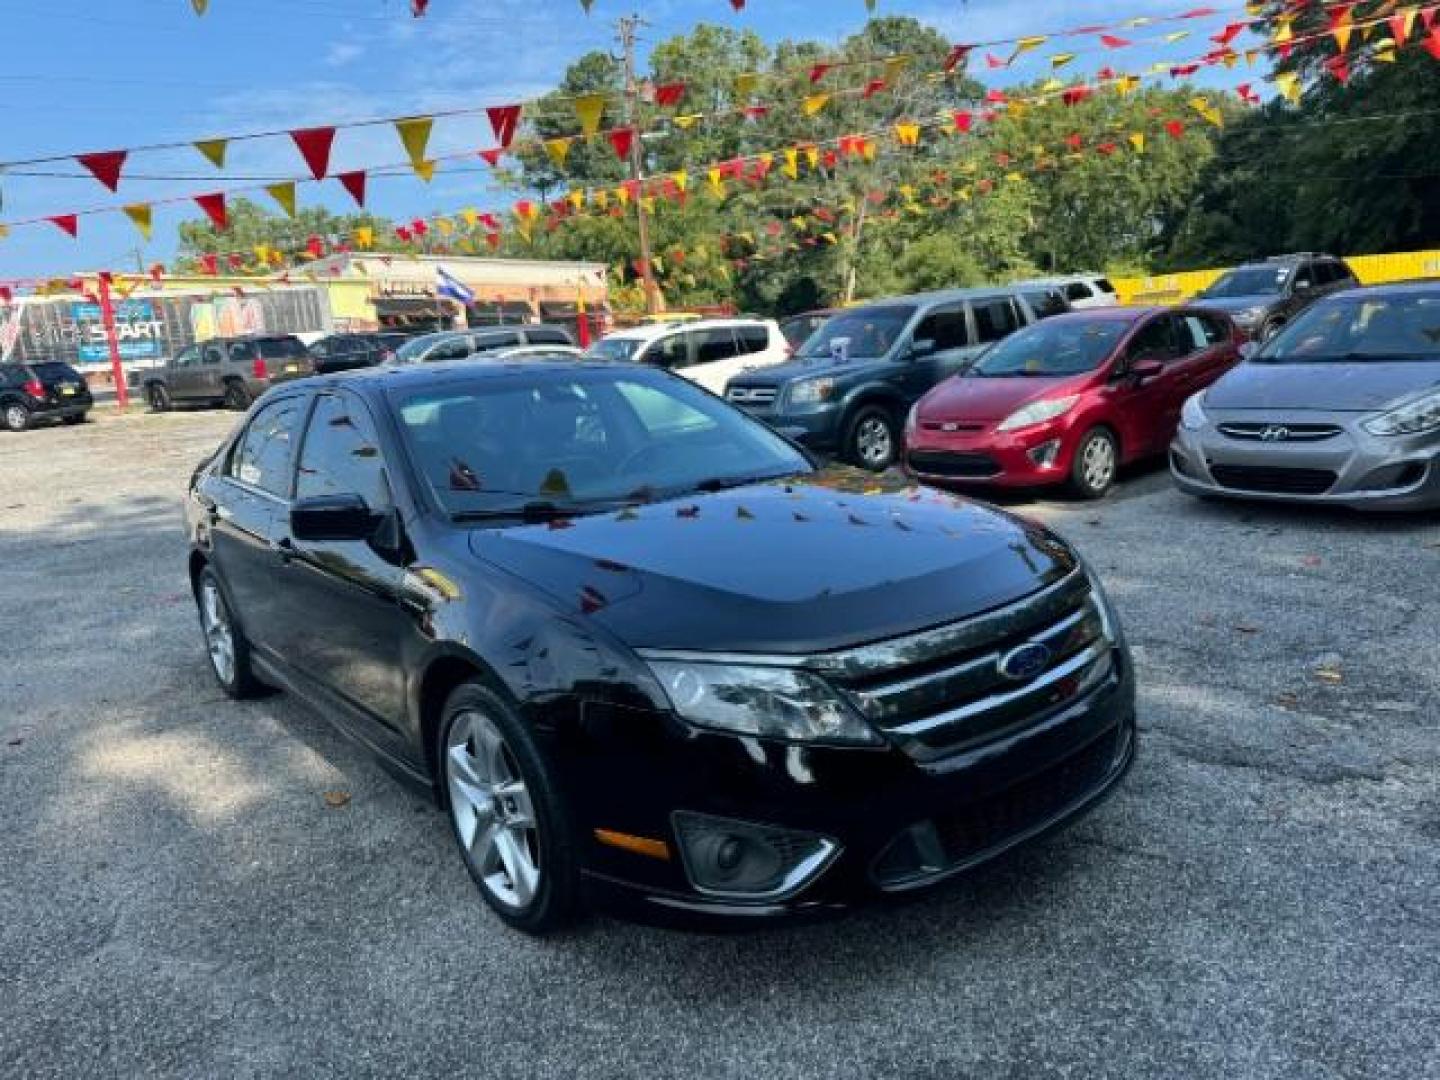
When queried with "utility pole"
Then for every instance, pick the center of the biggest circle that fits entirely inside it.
(628, 28)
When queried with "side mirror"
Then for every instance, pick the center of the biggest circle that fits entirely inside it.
(323, 518)
(1146, 368)
(922, 347)
(1248, 349)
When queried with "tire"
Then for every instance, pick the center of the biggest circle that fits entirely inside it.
(158, 395)
(872, 441)
(225, 645)
(237, 396)
(15, 416)
(506, 812)
(1097, 461)
(1270, 328)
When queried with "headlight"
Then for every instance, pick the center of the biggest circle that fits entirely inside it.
(1037, 412)
(1413, 418)
(812, 391)
(773, 703)
(1192, 416)
(1249, 316)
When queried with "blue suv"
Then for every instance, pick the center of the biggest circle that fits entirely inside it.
(851, 384)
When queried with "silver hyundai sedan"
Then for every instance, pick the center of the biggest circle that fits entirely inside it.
(1340, 408)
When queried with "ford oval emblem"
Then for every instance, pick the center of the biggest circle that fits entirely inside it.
(1024, 663)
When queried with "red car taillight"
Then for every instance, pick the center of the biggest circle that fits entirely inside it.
(35, 388)
(259, 370)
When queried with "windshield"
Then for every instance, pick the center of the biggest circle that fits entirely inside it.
(1053, 349)
(1359, 330)
(415, 348)
(864, 334)
(581, 440)
(614, 349)
(280, 348)
(1249, 281)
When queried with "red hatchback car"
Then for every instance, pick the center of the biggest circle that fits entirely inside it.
(1070, 399)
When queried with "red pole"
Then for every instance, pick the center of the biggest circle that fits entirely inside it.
(117, 370)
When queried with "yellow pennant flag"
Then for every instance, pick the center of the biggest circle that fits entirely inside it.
(1384, 52)
(214, 150)
(685, 123)
(623, 194)
(1402, 22)
(1254, 7)
(745, 85)
(1059, 60)
(425, 170)
(894, 68)
(559, 150)
(1285, 33)
(415, 137)
(1014, 176)
(1289, 85)
(1127, 84)
(1208, 111)
(262, 254)
(284, 194)
(601, 198)
(682, 180)
(814, 103)
(1051, 85)
(1231, 59)
(1137, 140)
(868, 149)
(908, 133)
(142, 216)
(1344, 26)
(1251, 55)
(576, 199)
(717, 182)
(365, 237)
(812, 156)
(470, 216)
(1178, 35)
(4, 231)
(444, 225)
(1025, 44)
(791, 168)
(1016, 109)
(648, 202)
(589, 108)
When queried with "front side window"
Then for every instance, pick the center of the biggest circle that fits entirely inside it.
(671, 353)
(1052, 349)
(341, 454)
(263, 456)
(585, 439)
(213, 354)
(491, 342)
(945, 327)
(1156, 341)
(753, 339)
(187, 356)
(614, 350)
(862, 334)
(994, 319)
(548, 337)
(717, 343)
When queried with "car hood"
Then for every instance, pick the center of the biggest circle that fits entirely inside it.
(780, 374)
(1237, 303)
(969, 398)
(1361, 387)
(834, 561)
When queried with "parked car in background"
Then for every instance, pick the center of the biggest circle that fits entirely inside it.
(642, 652)
(1263, 296)
(1069, 400)
(345, 352)
(798, 328)
(230, 371)
(1341, 407)
(1081, 291)
(849, 388)
(537, 352)
(40, 392)
(706, 351)
(458, 344)
(1046, 301)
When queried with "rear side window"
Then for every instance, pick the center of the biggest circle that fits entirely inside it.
(546, 336)
(946, 327)
(1103, 284)
(994, 319)
(214, 354)
(341, 455)
(671, 353)
(452, 350)
(753, 339)
(1156, 341)
(717, 343)
(48, 373)
(490, 342)
(1078, 290)
(281, 348)
(264, 454)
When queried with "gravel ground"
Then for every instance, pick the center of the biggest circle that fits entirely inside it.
(179, 898)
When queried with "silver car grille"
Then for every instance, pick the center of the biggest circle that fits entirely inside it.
(943, 691)
(1276, 432)
(751, 395)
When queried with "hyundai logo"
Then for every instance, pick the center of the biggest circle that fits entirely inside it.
(1275, 433)
(1024, 663)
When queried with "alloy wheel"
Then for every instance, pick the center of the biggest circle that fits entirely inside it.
(873, 442)
(492, 810)
(16, 417)
(1097, 463)
(219, 635)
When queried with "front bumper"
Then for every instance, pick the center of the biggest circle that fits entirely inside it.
(815, 428)
(966, 809)
(1351, 469)
(1037, 456)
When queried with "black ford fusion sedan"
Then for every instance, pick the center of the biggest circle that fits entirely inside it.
(642, 651)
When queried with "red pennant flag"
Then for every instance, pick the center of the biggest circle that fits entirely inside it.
(957, 54)
(831, 159)
(819, 71)
(1229, 34)
(1432, 44)
(1176, 128)
(755, 112)
(503, 120)
(1110, 41)
(1427, 17)
(210, 264)
(237, 262)
(214, 207)
(992, 61)
(1184, 71)
(403, 233)
(105, 167)
(1106, 148)
(1076, 94)
(490, 221)
(69, 224)
(1198, 13)
(314, 145)
(315, 246)
(418, 227)
(738, 5)
(964, 122)
(5, 294)
(157, 272)
(873, 87)
(1400, 26)
(1074, 141)
(622, 139)
(1247, 95)
(669, 94)
(493, 239)
(491, 157)
(354, 183)
(995, 97)
(417, 8)
(1339, 66)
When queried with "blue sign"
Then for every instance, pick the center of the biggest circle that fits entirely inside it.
(139, 331)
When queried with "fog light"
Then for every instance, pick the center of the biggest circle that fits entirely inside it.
(1045, 454)
(745, 861)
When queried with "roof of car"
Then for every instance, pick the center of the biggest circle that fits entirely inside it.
(939, 296)
(653, 330)
(1421, 286)
(413, 376)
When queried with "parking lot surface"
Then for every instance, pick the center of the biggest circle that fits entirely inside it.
(194, 887)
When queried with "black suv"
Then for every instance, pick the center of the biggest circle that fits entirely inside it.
(345, 352)
(1263, 296)
(45, 391)
(641, 650)
(852, 383)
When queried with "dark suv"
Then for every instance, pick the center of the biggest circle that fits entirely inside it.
(345, 352)
(43, 391)
(228, 371)
(642, 651)
(1263, 296)
(852, 383)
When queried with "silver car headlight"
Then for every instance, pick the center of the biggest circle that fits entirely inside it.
(1192, 416)
(1249, 316)
(1412, 418)
(769, 702)
(812, 391)
(1037, 412)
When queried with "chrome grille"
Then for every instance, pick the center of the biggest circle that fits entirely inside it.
(751, 395)
(1263, 432)
(943, 691)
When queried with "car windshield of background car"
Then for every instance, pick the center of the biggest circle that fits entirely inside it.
(585, 441)
(281, 348)
(1052, 349)
(415, 348)
(614, 350)
(1359, 330)
(866, 334)
(1250, 281)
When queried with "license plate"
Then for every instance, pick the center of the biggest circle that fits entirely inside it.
(291, 369)
(68, 391)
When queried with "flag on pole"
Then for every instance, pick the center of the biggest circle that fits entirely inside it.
(447, 284)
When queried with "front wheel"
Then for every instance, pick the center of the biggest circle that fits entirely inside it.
(159, 397)
(1097, 460)
(228, 650)
(873, 441)
(506, 812)
(16, 417)
(237, 397)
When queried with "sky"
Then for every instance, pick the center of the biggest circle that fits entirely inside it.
(80, 76)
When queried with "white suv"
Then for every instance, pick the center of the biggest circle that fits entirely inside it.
(1082, 290)
(710, 352)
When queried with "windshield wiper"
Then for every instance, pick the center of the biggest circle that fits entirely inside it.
(726, 483)
(530, 513)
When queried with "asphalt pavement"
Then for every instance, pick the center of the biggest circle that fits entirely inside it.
(192, 887)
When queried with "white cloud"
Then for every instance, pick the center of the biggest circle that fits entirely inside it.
(341, 53)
